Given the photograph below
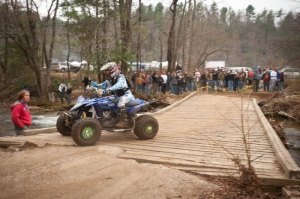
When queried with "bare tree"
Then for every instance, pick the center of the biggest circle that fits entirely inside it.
(139, 53)
(171, 53)
(48, 55)
(3, 63)
(190, 34)
(126, 33)
(104, 30)
(69, 45)
(181, 38)
(29, 33)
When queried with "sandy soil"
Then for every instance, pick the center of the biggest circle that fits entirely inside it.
(91, 172)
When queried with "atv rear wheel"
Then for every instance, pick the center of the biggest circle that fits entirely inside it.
(61, 126)
(86, 131)
(146, 127)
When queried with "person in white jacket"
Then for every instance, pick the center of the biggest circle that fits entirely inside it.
(273, 79)
(62, 91)
(118, 85)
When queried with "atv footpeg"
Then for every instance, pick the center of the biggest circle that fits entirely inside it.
(121, 130)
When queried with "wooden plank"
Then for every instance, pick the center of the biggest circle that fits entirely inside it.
(39, 131)
(187, 163)
(10, 143)
(194, 149)
(210, 161)
(290, 167)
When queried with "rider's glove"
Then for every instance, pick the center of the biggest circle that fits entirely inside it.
(107, 92)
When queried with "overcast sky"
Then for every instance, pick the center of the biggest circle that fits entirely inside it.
(259, 5)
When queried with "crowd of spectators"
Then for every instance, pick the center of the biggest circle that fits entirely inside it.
(210, 80)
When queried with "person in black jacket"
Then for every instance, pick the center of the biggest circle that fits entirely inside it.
(230, 78)
(86, 82)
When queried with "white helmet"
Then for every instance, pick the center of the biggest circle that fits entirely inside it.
(112, 69)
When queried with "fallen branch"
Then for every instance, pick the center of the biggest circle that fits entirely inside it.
(282, 113)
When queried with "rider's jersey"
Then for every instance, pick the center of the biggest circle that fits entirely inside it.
(119, 85)
(119, 82)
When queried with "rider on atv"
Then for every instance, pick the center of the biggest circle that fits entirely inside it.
(117, 84)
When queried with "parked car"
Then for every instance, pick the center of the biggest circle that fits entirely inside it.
(237, 68)
(291, 73)
(74, 66)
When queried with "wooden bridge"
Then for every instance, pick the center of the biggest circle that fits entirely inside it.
(202, 134)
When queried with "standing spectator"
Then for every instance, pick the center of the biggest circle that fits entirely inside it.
(62, 91)
(203, 80)
(139, 81)
(235, 82)
(144, 83)
(215, 77)
(169, 82)
(184, 82)
(221, 78)
(86, 81)
(241, 80)
(173, 83)
(209, 80)
(148, 83)
(266, 79)
(197, 76)
(191, 82)
(155, 82)
(68, 94)
(230, 78)
(133, 79)
(179, 83)
(281, 80)
(250, 77)
(273, 79)
(20, 113)
(257, 78)
(164, 82)
(159, 82)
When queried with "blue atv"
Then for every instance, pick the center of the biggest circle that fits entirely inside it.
(86, 119)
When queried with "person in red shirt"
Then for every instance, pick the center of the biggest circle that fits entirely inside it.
(20, 114)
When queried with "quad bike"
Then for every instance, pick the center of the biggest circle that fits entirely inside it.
(89, 116)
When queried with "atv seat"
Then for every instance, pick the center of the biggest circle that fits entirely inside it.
(134, 102)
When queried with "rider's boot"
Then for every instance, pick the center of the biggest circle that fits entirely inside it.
(123, 118)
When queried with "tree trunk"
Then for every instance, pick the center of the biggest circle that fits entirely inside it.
(69, 48)
(115, 27)
(97, 38)
(5, 61)
(139, 54)
(104, 38)
(179, 36)
(125, 15)
(48, 58)
(191, 36)
(161, 52)
(171, 54)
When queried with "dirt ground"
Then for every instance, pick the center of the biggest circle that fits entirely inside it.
(91, 172)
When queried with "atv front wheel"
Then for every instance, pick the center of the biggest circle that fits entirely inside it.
(146, 127)
(61, 126)
(86, 131)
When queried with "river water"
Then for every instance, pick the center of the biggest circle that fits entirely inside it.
(41, 120)
(292, 131)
